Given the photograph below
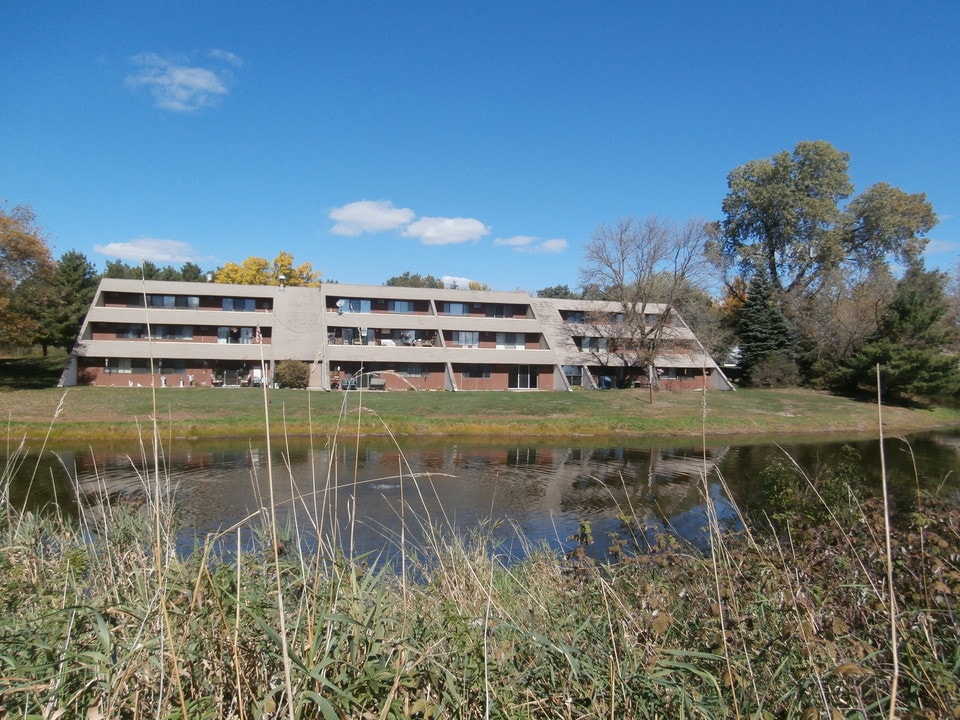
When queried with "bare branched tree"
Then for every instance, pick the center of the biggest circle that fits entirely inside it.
(642, 268)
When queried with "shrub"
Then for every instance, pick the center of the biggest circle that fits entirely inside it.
(292, 374)
(776, 370)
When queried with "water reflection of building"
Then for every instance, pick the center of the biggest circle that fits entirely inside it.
(659, 481)
(541, 490)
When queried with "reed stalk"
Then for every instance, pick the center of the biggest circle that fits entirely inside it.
(888, 548)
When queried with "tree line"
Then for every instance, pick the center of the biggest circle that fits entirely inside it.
(800, 282)
(818, 286)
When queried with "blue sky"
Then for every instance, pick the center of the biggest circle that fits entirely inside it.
(482, 141)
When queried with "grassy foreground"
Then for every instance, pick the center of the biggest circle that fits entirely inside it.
(105, 621)
(828, 606)
(90, 413)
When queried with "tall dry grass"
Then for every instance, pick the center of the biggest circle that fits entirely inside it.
(791, 618)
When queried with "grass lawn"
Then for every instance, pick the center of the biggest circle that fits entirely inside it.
(32, 406)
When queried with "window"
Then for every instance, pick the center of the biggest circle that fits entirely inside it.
(412, 370)
(173, 301)
(574, 316)
(129, 331)
(476, 372)
(400, 306)
(593, 344)
(115, 299)
(466, 338)
(355, 306)
(511, 341)
(454, 308)
(574, 374)
(126, 366)
(239, 304)
(233, 335)
(230, 335)
(161, 301)
(497, 311)
(172, 332)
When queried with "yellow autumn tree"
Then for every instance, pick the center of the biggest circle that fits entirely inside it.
(260, 271)
(25, 269)
(295, 275)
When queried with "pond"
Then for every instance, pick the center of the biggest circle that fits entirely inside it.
(372, 496)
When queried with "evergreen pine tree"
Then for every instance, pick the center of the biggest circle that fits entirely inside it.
(766, 348)
(909, 344)
(72, 287)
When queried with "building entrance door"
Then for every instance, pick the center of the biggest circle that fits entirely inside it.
(523, 377)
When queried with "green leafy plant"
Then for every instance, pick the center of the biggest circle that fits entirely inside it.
(292, 374)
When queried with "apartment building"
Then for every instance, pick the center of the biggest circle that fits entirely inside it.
(186, 334)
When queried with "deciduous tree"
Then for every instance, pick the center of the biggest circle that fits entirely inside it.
(637, 264)
(835, 322)
(260, 271)
(302, 274)
(25, 260)
(784, 214)
(705, 317)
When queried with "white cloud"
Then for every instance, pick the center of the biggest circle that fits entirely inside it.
(368, 216)
(226, 56)
(177, 86)
(167, 252)
(532, 245)
(372, 216)
(517, 241)
(458, 282)
(446, 231)
(553, 246)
